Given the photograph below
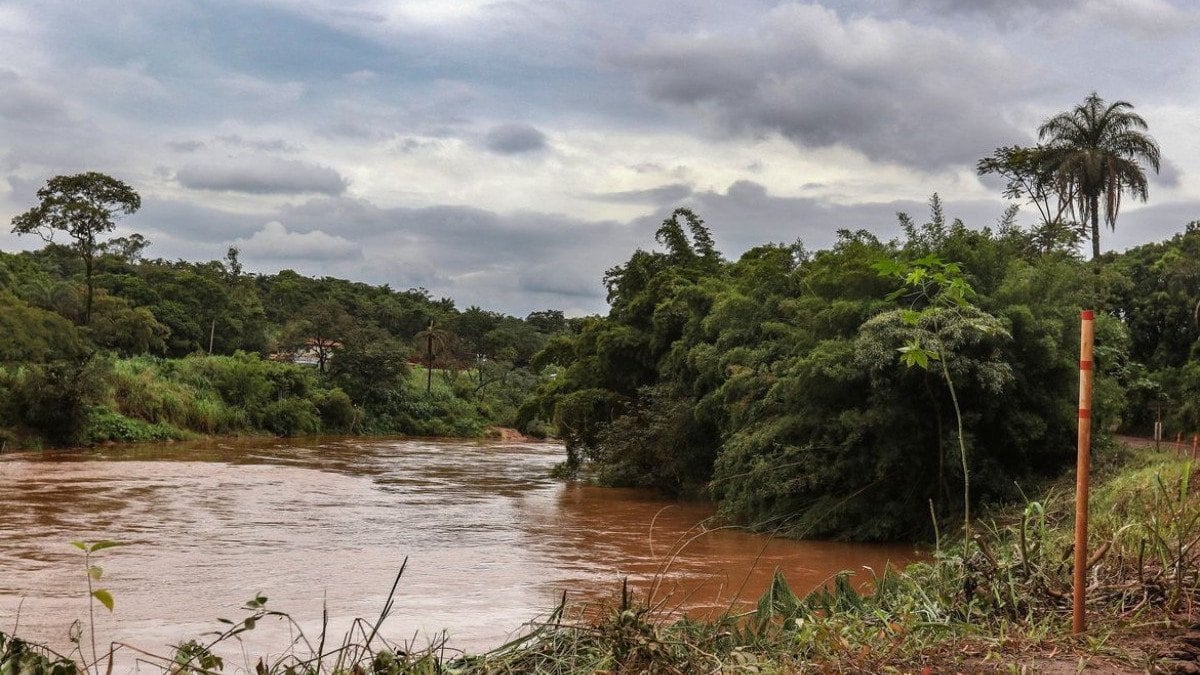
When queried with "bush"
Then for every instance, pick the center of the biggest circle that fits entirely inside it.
(291, 416)
(337, 411)
(105, 425)
(52, 399)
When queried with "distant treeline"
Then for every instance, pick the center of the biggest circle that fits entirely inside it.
(168, 348)
(815, 393)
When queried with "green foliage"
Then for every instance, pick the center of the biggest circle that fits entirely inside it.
(84, 206)
(291, 416)
(136, 308)
(337, 410)
(773, 378)
(1095, 152)
(369, 366)
(93, 574)
(649, 446)
(51, 399)
(18, 657)
(32, 335)
(105, 425)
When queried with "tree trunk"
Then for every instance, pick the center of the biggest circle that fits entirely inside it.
(429, 361)
(87, 307)
(1094, 206)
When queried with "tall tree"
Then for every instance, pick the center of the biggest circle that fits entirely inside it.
(1096, 151)
(84, 206)
(1029, 175)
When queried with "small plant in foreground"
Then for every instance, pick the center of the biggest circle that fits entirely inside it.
(100, 595)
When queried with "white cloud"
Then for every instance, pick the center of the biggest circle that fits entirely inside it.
(240, 84)
(275, 242)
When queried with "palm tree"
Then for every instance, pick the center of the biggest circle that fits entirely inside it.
(1095, 150)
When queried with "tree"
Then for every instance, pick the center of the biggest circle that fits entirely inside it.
(84, 206)
(549, 322)
(1029, 175)
(437, 344)
(321, 328)
(370, 366)
(1095, 152)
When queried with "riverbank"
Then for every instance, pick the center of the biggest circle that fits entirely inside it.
(1000, 603)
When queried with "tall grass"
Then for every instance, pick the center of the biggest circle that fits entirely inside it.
(141, 389)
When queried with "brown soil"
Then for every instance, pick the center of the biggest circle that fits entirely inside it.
(506, 434)
(1159, 651)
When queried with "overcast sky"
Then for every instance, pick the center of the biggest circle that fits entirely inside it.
(505, 153)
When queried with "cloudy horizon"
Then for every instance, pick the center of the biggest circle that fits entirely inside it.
(506, 153)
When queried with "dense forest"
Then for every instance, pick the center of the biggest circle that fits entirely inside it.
(815, 393)
(165, 349)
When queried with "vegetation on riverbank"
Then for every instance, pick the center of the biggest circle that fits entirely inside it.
(1000, 604)
(774, 383)
(169, 349)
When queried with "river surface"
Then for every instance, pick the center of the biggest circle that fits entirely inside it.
(491, 541)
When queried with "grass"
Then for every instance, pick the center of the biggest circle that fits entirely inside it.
(1005, 604)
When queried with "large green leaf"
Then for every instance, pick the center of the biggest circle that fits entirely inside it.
(104, 597)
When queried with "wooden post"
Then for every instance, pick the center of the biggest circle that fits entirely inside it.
(1082, 467)
(1195, 444)
(1179, 443)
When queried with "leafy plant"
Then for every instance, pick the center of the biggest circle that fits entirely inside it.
(937, 292)
(103, 596)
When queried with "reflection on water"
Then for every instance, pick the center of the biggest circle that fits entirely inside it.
(490, 540)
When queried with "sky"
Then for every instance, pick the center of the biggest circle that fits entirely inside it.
(506, 153)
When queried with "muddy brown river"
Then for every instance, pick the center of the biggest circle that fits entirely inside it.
(491, 541)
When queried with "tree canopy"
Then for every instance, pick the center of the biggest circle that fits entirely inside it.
(1096, 152)
(85, 207)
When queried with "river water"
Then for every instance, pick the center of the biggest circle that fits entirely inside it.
(491, 541)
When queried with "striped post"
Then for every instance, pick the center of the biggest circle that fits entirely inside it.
(1082, 467)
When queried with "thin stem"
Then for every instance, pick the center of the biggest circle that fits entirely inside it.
(87, 568)
(962, 449)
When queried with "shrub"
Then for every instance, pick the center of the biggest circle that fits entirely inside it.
(337, 411)
(105, 425)
(291, 416)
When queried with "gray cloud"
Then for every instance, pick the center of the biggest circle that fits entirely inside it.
(1004, 12)
(262, 176)
(191, 222)
(514, 139)
(185, 146)
(663, 194)
(259, 144)
(23, 101)
(747, 215)
(1153, 222)
(894, 91)
(928, 84)
(1168, 175)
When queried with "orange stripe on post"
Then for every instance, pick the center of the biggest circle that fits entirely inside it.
(1086, 365)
